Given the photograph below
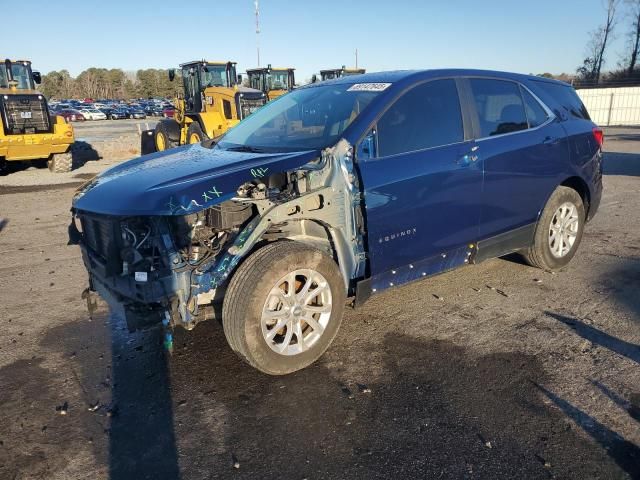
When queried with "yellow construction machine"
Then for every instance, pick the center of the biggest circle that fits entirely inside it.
(272, 81)
(213, 101)
(337, 73)
(27, 129)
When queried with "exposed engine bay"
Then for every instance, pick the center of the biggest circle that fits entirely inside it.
(174, 268)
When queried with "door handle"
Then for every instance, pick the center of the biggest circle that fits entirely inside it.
(549, 140)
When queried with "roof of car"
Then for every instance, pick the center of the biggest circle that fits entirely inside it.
(398, 75)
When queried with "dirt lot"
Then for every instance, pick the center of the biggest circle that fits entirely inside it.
(498, 370)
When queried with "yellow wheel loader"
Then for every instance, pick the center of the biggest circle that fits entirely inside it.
(213, 102)
(337, 73)
(272, 81)
(27, 129)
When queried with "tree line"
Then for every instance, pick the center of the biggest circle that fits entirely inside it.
(110, 83)
(621, 17)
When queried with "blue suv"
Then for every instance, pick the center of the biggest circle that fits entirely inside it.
(336, 191)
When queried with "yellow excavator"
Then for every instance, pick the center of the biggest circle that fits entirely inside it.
(27, 129)
(272, 81)
(337, 73)
(213, 101)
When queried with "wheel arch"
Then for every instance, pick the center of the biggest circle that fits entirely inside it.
(580, 186)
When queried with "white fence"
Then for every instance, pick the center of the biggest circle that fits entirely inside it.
(612, 106)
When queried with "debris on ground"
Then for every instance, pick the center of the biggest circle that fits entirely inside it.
(363, 388)
(236, 462)
(62, 409)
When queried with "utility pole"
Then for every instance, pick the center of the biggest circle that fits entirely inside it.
(257, 30)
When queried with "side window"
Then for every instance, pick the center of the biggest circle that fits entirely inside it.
(499, 106)
(566, 97)
(426, 116)
(536, 115)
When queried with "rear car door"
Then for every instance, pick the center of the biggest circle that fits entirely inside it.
(523, 151)
(422, 186)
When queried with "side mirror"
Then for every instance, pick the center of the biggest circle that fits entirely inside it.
(314, 78)
(367, 147)
(172, 74)
(239, 79)
(36, 77)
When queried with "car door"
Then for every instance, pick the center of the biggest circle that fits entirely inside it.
(422, 185)
(523, 150)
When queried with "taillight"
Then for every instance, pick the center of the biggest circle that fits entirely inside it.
(598, 134)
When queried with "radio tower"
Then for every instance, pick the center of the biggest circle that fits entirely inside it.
(257, 29)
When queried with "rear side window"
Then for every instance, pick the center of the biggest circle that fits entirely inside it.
(499, 106)
(424, 117)
(536, 115)
(567, 98)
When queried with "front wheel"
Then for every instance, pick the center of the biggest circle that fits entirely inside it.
(559, 230)
(60, 163)
(195, 133)
(283, 307)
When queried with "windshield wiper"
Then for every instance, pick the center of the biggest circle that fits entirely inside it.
(245, 148)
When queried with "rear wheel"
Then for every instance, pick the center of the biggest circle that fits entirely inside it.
(195, 133)
(283, 307)
(60, 163)
(162, 137)
(559, 230)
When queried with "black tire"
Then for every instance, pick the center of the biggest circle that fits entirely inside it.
(249, 290)
(60, 163)
(195, 131)
(540, 254)
(163, 136)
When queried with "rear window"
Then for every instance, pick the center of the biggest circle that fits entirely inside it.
(499, 106)
(566, 97)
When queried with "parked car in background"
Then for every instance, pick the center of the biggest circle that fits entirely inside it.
(381, 179)
(71, 115)
(93, 114)
(136, 112)
(117, 114)
(153, 111)
(168, 112)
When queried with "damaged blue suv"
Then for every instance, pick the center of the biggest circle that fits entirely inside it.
(336, 191)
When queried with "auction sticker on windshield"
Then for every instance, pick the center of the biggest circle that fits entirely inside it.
(368, 87)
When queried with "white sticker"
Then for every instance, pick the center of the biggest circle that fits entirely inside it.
(368, 87)
(141, 276)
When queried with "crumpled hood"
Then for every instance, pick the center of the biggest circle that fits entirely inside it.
(180, 181)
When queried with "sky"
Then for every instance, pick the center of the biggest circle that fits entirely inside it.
(527, 37)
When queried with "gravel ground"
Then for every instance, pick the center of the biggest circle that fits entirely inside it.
(497, 370)
(99, 145)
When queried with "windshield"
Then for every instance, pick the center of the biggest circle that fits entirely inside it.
(214, 76)
(279, 80)
(305, 119)
(21, 73)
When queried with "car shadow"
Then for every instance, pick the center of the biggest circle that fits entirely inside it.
(619, 163)
(598, 337)
(396, 405)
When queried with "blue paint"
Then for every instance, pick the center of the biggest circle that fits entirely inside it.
(179, 181)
